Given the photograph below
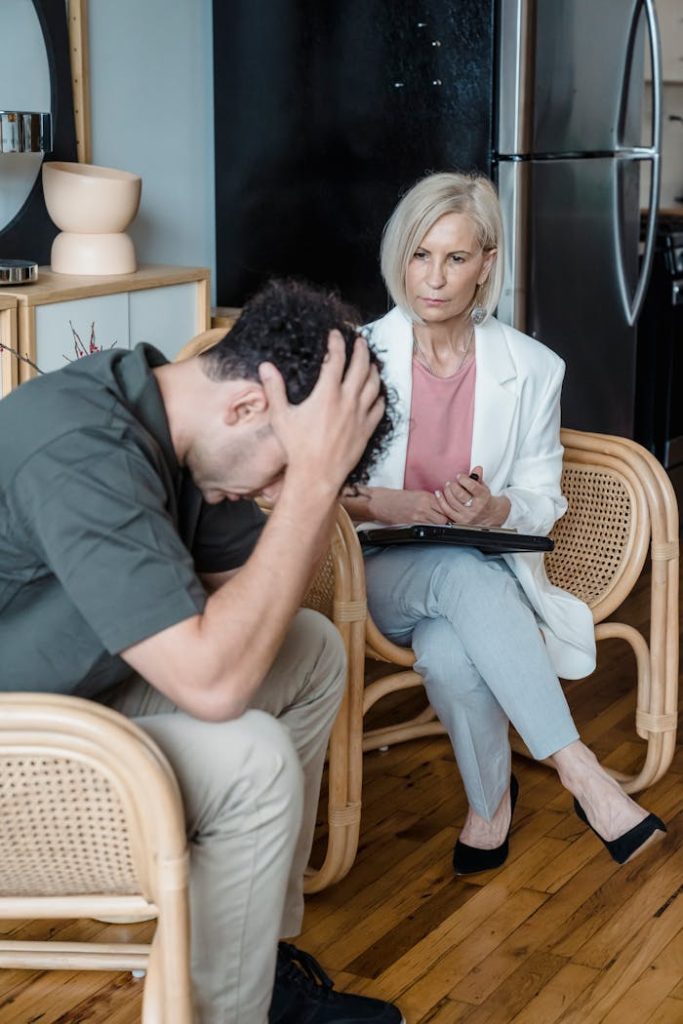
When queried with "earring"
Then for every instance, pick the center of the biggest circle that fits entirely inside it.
(478, 315)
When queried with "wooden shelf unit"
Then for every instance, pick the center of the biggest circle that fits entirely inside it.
(9, 366)
(37, 302)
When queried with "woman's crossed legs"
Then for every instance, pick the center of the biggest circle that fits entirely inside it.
(484, 664)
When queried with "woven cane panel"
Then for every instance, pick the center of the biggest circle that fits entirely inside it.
(592, 537)
(320, 594)
(62, 830)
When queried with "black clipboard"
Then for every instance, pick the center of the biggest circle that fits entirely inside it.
(490, 540)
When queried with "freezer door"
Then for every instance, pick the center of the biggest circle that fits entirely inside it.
(582, 272)
(575, 70)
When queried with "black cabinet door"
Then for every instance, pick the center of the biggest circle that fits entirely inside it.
(325, 112)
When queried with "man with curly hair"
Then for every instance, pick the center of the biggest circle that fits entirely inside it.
(136, 570)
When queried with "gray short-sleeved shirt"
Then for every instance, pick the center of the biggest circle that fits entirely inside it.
(102, 533)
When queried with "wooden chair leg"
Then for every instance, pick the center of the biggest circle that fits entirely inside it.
(377, 738)
(656, 718)
(657, 701)
(153, 994)
(345, 768)
(170, 957)
(422, 724)
(403, 680)
(343, 814)
(656, 712)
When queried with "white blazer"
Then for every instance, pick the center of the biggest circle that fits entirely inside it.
(516, 439)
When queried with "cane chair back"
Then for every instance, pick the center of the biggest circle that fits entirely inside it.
(608, 515)
(621, 507)
(91, 825)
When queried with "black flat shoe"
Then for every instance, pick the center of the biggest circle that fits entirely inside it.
(624, 846)
(471, 860)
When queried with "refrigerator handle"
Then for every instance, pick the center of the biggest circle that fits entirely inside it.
(655, 46)
(652, 154)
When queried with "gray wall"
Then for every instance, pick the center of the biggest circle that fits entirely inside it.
(152, 113)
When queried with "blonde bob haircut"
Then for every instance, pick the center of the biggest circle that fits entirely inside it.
(420, 208)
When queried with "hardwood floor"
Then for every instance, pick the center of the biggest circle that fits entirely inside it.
(559, 934)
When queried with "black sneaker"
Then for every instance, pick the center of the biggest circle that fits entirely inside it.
(303, 994)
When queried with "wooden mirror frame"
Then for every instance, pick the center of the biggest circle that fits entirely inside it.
(80, 76)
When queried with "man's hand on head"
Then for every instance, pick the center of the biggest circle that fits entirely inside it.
(325, 436)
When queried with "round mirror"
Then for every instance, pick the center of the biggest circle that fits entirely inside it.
(24, 86)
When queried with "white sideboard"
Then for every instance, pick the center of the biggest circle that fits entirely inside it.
(9, 367)
(165, 306)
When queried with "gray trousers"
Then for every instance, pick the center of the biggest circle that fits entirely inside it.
(480, 653)
(250, 790)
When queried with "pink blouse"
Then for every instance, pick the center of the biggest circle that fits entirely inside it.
(441, 421)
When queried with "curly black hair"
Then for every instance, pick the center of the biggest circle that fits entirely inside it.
(287, 323)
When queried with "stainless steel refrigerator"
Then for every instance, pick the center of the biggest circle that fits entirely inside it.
(570, 156)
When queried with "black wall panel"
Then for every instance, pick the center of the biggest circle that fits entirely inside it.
(325, 112)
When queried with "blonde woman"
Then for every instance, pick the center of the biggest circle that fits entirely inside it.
(479, 443)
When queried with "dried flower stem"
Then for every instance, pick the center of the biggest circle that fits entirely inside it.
(17, 355)
(80, 349)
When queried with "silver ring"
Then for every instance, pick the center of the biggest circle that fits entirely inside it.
(467, 503)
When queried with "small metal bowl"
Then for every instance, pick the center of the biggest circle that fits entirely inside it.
(18, 272)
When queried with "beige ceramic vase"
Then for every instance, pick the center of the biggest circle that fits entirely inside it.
(92, 206)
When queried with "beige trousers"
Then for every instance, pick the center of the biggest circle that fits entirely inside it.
(250, 789)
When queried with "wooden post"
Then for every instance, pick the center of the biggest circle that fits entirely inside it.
(80, 77)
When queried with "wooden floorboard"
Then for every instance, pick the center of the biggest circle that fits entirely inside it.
(559, 935)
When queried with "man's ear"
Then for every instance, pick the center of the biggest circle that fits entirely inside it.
(244, 403)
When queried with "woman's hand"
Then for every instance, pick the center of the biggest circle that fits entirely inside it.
(391, 506)
(467, 501)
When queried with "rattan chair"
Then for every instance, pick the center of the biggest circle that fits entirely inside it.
(80, 836)
(621, 506)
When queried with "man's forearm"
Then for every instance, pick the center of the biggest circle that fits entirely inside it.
(245, 620)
